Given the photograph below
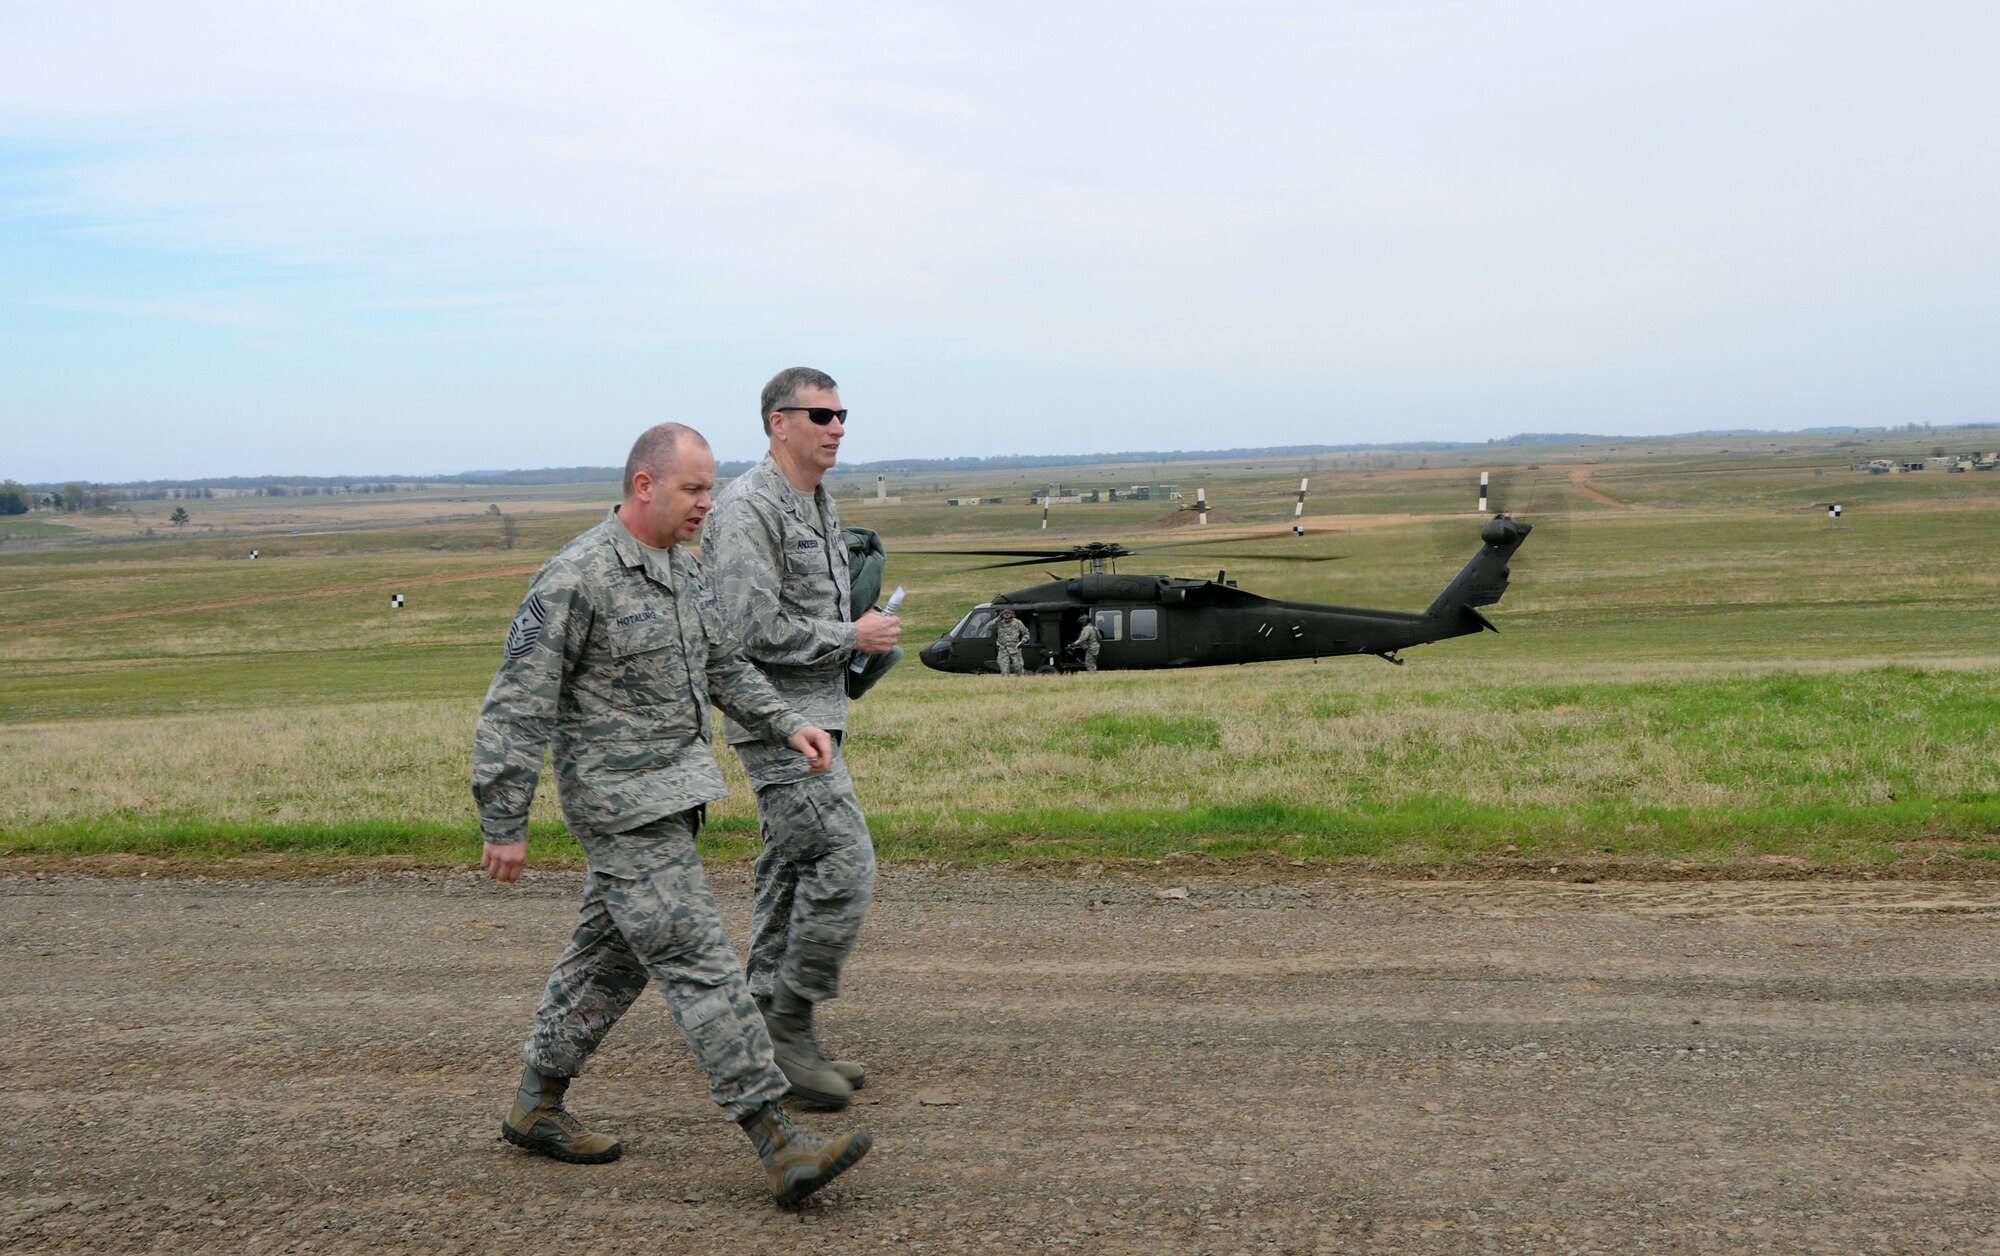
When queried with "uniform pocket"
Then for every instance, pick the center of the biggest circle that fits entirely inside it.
(658, 896)
(641, 632)
(807, 564)
(797, 816)
(707, 1009)
(718, 1026)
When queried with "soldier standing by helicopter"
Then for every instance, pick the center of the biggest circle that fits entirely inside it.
(1009, 636)
(1087, 639)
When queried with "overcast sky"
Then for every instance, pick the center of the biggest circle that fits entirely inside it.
(429, 236)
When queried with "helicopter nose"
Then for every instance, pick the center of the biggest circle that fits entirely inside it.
(935, 654)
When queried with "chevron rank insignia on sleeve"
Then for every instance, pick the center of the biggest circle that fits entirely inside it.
(527, 627)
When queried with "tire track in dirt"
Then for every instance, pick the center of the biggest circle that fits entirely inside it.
(1580, 477)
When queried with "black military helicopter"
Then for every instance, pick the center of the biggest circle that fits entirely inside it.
(1170, 621)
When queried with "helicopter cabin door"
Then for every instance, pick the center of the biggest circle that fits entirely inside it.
(1114, 648)
(1043, 651)
(1144, 644)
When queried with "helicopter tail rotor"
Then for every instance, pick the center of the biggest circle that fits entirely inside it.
(1546, 496)
(1482, 581)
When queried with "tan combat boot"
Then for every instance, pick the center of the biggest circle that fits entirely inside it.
(850, 1070)
(798, 1163)
(539, 1122)
(813, 1078)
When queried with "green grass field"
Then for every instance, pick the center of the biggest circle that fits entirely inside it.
(1695, 664)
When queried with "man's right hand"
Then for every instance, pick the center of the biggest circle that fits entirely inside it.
(504, 863)
(876, 633)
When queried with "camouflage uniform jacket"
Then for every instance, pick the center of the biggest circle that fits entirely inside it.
(781, 577)
(613, 658)
(1010, 634)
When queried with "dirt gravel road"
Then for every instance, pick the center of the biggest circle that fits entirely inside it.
(1266, 1064)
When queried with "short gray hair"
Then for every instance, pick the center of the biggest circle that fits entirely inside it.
(655, 450)
(784, 387)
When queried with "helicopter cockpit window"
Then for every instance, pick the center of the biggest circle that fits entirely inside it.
(1110, 626)
(978, 622)
(1145, 624)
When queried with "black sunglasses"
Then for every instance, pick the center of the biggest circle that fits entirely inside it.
(822, 415)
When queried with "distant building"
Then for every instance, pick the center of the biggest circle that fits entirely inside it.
(882, 497)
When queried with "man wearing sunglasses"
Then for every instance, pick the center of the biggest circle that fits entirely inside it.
(774, 547)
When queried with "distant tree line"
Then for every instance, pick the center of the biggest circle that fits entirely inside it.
(82, 496)
(331, 490)
(70, 498)
(86, 496)
(161, 494)
(248, 484)
(568, 475)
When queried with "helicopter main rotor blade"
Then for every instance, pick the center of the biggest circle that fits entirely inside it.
(1239, 556)
(1219, 540)
(1043, 554)
(1019, 562)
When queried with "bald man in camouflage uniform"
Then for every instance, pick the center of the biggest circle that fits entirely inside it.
(780, 563)
(613, 660)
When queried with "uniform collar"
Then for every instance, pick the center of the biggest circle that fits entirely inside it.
(655, 563)
(805, 507)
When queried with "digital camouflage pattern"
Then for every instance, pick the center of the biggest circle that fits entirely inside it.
(779, 563)
(611, 663)
(1009, 636)
(781, 568)
(815, 876)
(648, 913)
(1089, 639)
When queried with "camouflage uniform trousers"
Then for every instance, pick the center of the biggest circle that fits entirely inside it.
(815, 877)
(648, 912)
(1010, 661)
(1090, 659)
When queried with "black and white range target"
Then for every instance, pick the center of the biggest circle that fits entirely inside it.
(1299, 511)
(1833, 511)
(253, 556)
(1201, 506)
(1482, 490)
(395, 601)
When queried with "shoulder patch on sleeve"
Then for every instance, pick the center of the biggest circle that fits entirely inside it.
(526, 629)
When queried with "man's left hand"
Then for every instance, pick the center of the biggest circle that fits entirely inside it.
(816, 744)
(504, 862)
